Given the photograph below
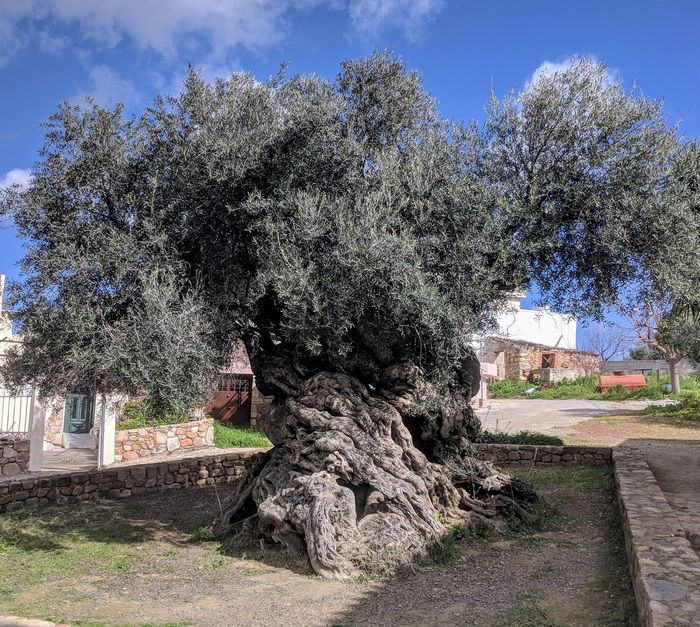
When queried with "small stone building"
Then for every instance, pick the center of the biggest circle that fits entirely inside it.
(519, 360)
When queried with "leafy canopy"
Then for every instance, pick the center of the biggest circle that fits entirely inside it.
(345, 222)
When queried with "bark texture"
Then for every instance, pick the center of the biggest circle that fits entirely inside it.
(362, 476)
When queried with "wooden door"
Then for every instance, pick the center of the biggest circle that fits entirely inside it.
(78, 413)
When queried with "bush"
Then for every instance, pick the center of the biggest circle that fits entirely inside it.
(521, 437)
(137, 415)
(687, 409)
(239, 437)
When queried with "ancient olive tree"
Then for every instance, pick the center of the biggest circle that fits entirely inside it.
(353, 240)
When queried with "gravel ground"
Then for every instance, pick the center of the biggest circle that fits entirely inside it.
(573, 574)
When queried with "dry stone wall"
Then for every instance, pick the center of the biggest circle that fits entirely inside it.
(122, 482)
(14, 457)
(529, 454)
(134, 443)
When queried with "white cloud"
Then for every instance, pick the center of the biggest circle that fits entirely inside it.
(107, 88)
(371, 16)
(163, 27)
(208, 28)
(15, 177)
(547, 68)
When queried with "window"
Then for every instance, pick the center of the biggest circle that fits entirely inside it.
(549, 360)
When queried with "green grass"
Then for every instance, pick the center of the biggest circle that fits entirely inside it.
(587, 388)
(446, 549)
(239, 437)
(137, 415)
(66, 543)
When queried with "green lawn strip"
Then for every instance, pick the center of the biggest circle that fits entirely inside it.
(520, 437)
(239, 437)
(65, 542)
(587, 388)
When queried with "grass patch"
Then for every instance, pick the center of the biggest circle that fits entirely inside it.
(65, 543)
(520, 437)
(239, 437)
(687, 409)
(446, 549)
(587, 388)
(583, 477)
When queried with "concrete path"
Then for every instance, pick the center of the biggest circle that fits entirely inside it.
(552, 417)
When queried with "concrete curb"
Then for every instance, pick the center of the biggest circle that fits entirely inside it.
(665, 569)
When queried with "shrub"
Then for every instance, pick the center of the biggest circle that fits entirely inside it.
(687, 409)
(521, 437)
(137, 415)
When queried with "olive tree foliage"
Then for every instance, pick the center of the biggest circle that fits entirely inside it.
(580, 163)
(100, 309)
(662, 304)
(353, 239)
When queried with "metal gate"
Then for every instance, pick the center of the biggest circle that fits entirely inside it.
(233, 400)
(15, 414)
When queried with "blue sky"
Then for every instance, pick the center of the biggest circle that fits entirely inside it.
(129, 50)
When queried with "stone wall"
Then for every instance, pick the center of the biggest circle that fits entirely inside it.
(134, 443)
(554, 375)
(53, 428)
(14, 456)
(529, 454)
(122, 482)
(257, 401)
(663, 564)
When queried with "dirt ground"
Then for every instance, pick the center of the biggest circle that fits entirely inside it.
(572, 574)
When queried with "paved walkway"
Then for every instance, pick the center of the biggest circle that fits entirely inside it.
(510, 415)
(82, 459)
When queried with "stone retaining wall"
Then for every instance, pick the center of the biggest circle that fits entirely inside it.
(665, 569)
(134, 443)
(529, 454)
(122, 482)
(14, 456)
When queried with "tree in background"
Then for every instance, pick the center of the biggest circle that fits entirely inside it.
(606, 340)
(643, 353)
(661, 304)
(354, 240)
(579, 163)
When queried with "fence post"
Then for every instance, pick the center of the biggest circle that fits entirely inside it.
(37, 416)
(105, 449)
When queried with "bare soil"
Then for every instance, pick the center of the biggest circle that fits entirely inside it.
(572, 573)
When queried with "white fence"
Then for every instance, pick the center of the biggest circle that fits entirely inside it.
(15, 412)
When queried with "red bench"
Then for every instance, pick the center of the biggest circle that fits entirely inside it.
(630, 382)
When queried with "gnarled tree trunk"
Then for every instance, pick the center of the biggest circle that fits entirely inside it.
(361, 476)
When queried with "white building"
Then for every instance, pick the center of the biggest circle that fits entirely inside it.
(538, 325)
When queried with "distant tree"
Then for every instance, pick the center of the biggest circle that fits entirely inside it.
(354, 240)
(607, 340)
(662, 304)
(643, 353)
(664, 332)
